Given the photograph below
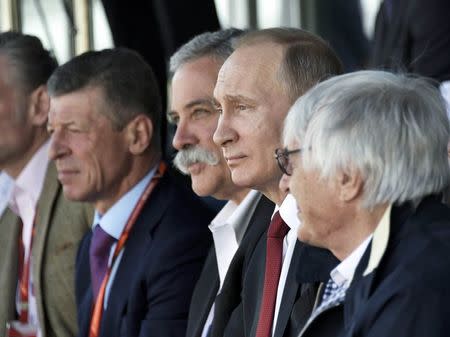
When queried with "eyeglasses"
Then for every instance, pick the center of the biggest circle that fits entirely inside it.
(282, 157)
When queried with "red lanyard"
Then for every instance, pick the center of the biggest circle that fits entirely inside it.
(98, 307)
(24, 282)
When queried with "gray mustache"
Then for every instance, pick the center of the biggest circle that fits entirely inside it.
(195, 154)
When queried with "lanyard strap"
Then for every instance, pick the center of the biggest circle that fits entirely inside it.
(24, 277)
(94, 329)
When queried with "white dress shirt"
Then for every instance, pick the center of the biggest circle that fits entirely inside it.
(288, 212)
(228, 228)
(6, 190)
(115, 219)
(24, 194)
(343, 273)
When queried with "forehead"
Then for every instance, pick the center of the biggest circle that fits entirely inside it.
(250, 68)
(5, 73)
(84, 105)
(194, 80)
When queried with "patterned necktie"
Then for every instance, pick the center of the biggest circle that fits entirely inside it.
(333, 295)
(99, 252)
(330, 289)
(274, 257)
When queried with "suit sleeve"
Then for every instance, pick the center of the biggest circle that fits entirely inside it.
(413, 312)
(174, 271)
(430, 39)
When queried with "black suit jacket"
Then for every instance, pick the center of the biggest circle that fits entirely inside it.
(207, 286)
(160, 265)
(309, 266)
(413, 37)
(407, 294)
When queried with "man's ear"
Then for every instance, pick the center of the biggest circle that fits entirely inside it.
(139, 132)
(39, 106)
(350, 184)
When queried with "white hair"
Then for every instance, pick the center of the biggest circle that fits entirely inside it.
(393, 129)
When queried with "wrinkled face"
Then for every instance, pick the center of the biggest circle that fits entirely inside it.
(317, 201)
(15, 128)
(193, 112)
(91, 157)
(253, 105)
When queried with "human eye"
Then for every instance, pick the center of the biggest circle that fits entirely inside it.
(242, 107)
(50, 129)
(201, 113)
(74, 129)
(218, 109)
(173, 118)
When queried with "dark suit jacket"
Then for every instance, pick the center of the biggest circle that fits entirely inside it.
(160, 265)
(413, 36)
(408, 293)
(298, 297)
(229, 298)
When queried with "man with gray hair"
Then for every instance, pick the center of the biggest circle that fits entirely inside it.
(367, 155)
(40, 229)
(194, 114)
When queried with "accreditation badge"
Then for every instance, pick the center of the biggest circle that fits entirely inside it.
(19, 329)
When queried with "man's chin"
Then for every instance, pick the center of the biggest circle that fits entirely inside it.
(196, 169)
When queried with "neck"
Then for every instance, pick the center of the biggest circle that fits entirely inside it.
(239, 195)
(362, 224)
(139, 168)
(15, 167)
(274, 194)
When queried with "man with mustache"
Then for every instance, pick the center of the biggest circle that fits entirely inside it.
(138, 266)
(194, 68)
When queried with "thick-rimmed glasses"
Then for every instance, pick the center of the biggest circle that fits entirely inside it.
(282, 157)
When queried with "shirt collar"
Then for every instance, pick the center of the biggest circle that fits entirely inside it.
(6, 190)
(114, 220)
(380, 241)
(288, 212)
(342, 275)
(235, 215)
(25, 191)
(31, 178)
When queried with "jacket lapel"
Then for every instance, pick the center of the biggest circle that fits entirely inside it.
(208, 286)
(42, 223)
(138, 243)
(289, 294)
(9, 226)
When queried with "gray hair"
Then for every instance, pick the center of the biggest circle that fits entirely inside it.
(128, 84)
(392, 128)
(219, 44)
(30, 63)
(307, 60)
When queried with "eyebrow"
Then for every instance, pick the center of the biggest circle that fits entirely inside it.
(64, 124)
(193, 103)
(235, 98)
(199, 102)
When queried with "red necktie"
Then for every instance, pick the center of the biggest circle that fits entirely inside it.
(274, 257)
(23, 317)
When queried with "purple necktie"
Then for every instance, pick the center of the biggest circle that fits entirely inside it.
(98, 257)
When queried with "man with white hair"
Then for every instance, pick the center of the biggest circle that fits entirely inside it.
(367, 155)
